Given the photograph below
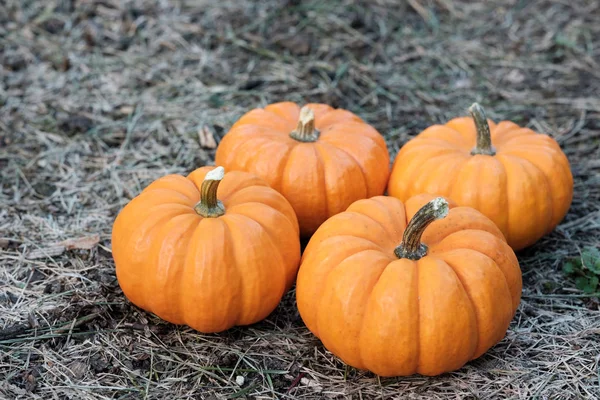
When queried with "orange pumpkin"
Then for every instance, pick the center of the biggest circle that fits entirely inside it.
(212, 250)
(321, 159)
(523, 182)
(401, 298)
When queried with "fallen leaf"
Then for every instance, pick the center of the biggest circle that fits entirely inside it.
(78, 369)
(298, 45)
(514, 76)
(48, 251)
(311, 383)
(126, 110)
(84, 243)
(56, 249)
(206, 138)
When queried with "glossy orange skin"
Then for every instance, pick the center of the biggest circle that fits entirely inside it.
(526, 188)
(208, 273)
(397, 317)
(348, 162)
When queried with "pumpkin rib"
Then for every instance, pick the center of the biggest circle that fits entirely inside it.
(288, 106)
(324, 268)
(342, 131)
(531, 148)
(236, 210)
(381, 207)
(501, 128)
(262, 163)
(516, 134)
(412, 171)
(441, 133)
(293, 189)
(477, 351)
(172, 182)
(502, 198)
(462, 238)
(566, 178)
(145, 229)
(193, 280)
(342, 219)
(321, 145)
(256, 131)
(329, 284)
(378, 223)
(444, 336)
(340, 166)
(260, 117)
(227, 220)
(418, 183)
(547, 180)
(373, 186)
(156, 260)
(283, 117)
(381, 202)
(233, 144)
(248, 151)
(323, 181)
(235, 182)
(378, 247)
(472, 303)
(164, 196)
(287, 211)
(365, 304)
(417, 145)
(508, 224)
(453, 172)
(335, 116)
(520, 164)
(249, 131)
(468, 174)
(338, 219)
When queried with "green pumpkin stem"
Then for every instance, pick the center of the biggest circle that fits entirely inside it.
(305, 130)
(209, 206)
(411, 246)
(484, 137)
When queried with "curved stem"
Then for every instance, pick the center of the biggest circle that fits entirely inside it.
(209, 206)
(484, 137)
(305, 130)
(411, 246)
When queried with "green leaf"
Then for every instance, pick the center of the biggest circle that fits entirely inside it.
(568, 268)
(594, 283)
(581, 282)
(595, 267)
(587, 284)
(215, 100)
(590, 257)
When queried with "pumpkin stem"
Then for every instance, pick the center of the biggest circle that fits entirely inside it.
(305, 130)
(484, 137)
(411, 246)
(209, 206)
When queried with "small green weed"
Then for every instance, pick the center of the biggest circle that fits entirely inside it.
(585, 270)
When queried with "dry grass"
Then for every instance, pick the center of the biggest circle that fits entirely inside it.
(98, 98)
